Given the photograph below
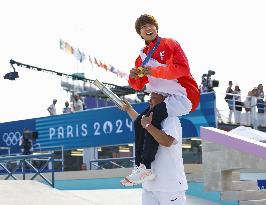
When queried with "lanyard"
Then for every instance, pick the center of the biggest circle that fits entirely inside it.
(151, 52)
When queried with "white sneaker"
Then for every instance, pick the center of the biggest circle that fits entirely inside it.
(125, 181)
(139, 175)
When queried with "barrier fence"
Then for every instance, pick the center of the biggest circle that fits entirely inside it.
(26, 161)
(122, 162)
(242, 110)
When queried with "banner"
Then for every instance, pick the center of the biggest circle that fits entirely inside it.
(11, 132)
(97, 127)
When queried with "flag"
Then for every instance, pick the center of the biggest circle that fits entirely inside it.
(77, 53)
(90, 61)
(62, 44)
(103, 65)
(95, 62)
(82, 57)
(113, 70)
(68, 48)
(118, 72)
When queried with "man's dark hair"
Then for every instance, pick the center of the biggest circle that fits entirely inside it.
(144, 19)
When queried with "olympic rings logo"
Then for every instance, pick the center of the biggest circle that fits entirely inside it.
(11, 138)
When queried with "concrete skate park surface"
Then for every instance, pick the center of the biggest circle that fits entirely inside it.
(29, 192)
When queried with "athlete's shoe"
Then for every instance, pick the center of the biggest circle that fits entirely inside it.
(139, 175)
(125, 181)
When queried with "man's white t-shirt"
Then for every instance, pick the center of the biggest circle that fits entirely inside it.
(77, 105)
(168, 164)
(52, 109)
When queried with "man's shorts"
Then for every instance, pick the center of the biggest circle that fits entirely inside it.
(163, 198)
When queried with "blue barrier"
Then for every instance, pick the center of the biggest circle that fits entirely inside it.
(98, 127)
(262, 184)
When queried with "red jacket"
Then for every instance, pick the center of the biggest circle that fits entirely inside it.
(168, 62)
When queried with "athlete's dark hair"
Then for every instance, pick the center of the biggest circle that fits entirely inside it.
(144, 19)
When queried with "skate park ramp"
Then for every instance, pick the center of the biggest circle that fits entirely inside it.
(29, 192)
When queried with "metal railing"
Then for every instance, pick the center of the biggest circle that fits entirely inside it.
(243, 111)
(111, 163)
(26, 161)
(52, 149)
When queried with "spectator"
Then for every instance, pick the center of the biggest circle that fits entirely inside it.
(264, 120)
(51, 109)
(77, 103)
(229, 99)
(260, 100)
(67, 109)
(247, 105)
(238, 104)
(260, 104)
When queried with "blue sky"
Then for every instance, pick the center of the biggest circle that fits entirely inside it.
(225, 36)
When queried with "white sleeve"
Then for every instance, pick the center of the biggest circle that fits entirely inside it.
(177, 105)
(172, 126)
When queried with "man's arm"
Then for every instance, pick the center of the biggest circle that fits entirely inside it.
(175, 67)
(49, 109)
(161, 137)
(130, 110)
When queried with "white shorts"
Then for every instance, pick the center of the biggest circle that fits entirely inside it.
(163, 198)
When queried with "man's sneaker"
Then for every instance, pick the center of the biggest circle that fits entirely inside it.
(125, 181)
(140, 175)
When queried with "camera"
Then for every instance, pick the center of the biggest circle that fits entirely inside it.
(26, 141)
(211, 72)
(30, 135)
(11, 76)
(207, 84)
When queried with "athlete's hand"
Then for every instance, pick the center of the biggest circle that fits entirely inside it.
(146, 70)
(145, 120)
(136, 72)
